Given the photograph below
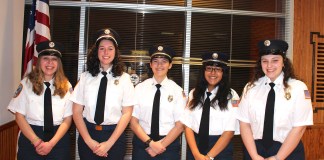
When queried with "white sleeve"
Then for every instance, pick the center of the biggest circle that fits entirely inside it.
(68, 103)
(243, 107)
(303, 110)
(19, 102)
(78, 94)
(136, 108)
(186, 117)
(128, 97)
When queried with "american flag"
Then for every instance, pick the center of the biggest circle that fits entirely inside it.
(38, 31)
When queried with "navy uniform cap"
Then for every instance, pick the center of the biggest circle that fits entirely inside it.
(49, 48)
(215, 57)
(162, 51)
(109, 34)
(275, 47)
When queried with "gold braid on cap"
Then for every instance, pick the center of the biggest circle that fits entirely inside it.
(164, 54)
(50, 50)
(107, 36)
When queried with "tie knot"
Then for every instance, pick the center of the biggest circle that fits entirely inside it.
(272, 84)
(158, 86)
(47, 84)
(208, 94)
(104, 73)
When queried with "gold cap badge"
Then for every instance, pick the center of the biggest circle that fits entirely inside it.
(267, 43)
(215, 55)
(107, 31)
(51, 44)
(160, 48)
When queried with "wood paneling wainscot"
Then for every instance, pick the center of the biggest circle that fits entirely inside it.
(8, 139)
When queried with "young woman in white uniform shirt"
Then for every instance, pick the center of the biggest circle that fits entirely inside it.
(38, 140)
(211, 126)
(102, 129)
(160, 140)
(273, 121)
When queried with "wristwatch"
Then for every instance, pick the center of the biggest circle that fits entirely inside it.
(147, 142)
(210, 158)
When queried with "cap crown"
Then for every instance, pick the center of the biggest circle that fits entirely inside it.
(161, 51)
(275, 47)
(109, 34)
(49, 48)
(217, 57)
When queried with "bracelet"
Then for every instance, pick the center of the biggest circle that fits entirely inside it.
(34, 140)
(211, 158)
(275, 156)
(38, 143)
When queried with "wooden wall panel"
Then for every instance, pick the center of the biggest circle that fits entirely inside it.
(308, 17)
(8, 139)
(313, 140)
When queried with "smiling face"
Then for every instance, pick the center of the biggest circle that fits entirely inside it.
(213, 76)
(106, 53)
(48, 65)
(272, 66)
(160, 67)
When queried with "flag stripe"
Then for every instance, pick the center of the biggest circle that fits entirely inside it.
(29, 47)
(42, 18)
(40, 38)
(38, 31)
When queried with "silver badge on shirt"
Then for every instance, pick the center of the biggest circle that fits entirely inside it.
(287, 93)
(116, 82)
(170, 98)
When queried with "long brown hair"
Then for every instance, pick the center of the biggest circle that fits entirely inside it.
(61, 83)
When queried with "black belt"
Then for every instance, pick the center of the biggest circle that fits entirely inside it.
(100, 127)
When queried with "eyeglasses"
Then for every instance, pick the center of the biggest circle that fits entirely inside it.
(211, 69)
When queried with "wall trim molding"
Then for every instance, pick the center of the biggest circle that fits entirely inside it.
(7, 125)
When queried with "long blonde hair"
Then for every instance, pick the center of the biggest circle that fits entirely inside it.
(61, 83)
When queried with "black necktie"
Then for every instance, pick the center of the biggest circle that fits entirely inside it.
(100, 108)
(204, 125)
(268, 119)
(155, 114)
(48, 114)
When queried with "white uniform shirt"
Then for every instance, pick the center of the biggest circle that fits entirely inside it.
(172, 104)
(219, 121)
(119, 93)
(31, 105)
(288, 113)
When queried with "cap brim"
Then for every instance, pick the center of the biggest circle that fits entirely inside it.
(161, 55)
(50, 52)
